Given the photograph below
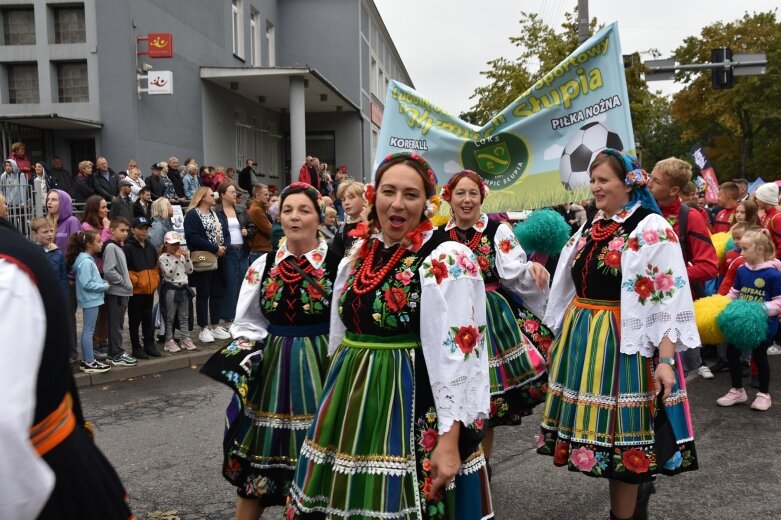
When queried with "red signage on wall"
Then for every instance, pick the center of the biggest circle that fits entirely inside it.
(376, 114)
(158, 45)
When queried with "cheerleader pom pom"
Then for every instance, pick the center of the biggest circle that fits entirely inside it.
(544, 231)
(744, 324)
(720, 243)
(706, 310)
(439, 220)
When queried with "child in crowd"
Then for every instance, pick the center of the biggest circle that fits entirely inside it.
(757, 280)
(119, 291)
(351, 195)
(175, 265)
(726, 271)
(142, 267)
(43, 234)
(746, 211)
(90, 288)
(728, 201)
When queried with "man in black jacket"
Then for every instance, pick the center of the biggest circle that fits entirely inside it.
(122, 205)
(176, 179)
(247, 176)
(101, 179)
(143, 206)
(62, 178)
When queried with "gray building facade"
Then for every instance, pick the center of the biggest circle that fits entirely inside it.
(252, 79)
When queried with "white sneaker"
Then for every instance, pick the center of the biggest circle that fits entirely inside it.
(705, 372)
(220, 333)
(773, 350)
(205, 336)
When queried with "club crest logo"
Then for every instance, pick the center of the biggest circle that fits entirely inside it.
(500, 159)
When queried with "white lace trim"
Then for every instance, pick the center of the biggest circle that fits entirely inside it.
(599, 399)
(472, 465)
(352, 464)
(456, 403)
(644, 335)
(514, 353)
(522, 383)
(284, 424)
(299, 496)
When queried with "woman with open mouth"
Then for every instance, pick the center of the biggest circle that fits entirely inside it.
(398, 428)
(517, 367)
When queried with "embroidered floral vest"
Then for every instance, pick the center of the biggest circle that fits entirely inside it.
(394, 306)
(484, 251)
(596, 269)
(298, 303)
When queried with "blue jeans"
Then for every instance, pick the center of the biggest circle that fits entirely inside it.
(235, 269)
(90, 318)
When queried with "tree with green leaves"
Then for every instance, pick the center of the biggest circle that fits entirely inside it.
(738, 126)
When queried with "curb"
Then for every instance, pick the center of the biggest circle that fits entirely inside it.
(166, 363)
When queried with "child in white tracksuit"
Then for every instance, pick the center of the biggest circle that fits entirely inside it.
(175, 265)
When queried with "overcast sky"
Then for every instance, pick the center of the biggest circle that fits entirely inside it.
(446, 43)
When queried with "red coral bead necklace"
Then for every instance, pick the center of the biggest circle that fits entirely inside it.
(289, 275)
(366, 280)
(471, 244)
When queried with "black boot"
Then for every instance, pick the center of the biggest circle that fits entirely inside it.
(139, 354)
(644, 492)
(151, 349)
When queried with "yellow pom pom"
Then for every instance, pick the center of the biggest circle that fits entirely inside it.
(720, 243)
(439, 220)
(705, 312)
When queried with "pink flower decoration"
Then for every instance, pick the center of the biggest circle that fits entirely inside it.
(428, 440)
(405, 277)
(616, 244)
(318, 273)
(540, 440)
(465, 262)
(273, 271)
(664, 282)
(583, 459)
(531, 326)
(651, 236)
(581, 243)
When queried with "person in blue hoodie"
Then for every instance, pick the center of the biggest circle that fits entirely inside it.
(43, 235)
(90, 292)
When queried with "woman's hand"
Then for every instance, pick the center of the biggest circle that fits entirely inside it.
(221, 251)
(540, 275)
(243, 232)
(664, 379)
(106, 223)
(445, 461)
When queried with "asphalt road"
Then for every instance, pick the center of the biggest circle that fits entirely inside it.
(163, 434)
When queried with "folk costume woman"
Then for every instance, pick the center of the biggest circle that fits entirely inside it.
(278, 360)
(398, 428)
(517, 368)
(622, 307)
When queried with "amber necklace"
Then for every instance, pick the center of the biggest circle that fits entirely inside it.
(461, 238)
(366, 280)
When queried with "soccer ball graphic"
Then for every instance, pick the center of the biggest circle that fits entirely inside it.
(581, 149)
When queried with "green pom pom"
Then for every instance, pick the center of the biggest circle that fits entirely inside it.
(744, 324)
(545, 231)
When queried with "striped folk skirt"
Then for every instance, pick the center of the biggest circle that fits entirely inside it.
(270, 413)
(367, 453)
(516, 367)
(600, 408)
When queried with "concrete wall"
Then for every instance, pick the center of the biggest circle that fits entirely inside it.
(322, 35)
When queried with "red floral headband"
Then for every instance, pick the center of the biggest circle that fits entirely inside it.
(444, 193)
(431, 177)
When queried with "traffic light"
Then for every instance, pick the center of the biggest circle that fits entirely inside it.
(721, 77)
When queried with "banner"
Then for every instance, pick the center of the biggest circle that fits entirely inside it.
(535, 152)
(706, 171)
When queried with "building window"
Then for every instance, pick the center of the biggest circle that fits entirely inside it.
(238, 28)
(69, 26)
(18, 26)
(272, 44)
(72, 82)
(254, 38)
(22, 83)
(373, 70)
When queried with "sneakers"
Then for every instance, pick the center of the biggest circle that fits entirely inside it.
(220, 333)
(761, 402)
(94, 367)
(734, 396)
(705, 372)
(101, 353)
(123, 360)
(720, 366)
(773, 350)
(171, 346)
(187, 344)
(205, 336)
